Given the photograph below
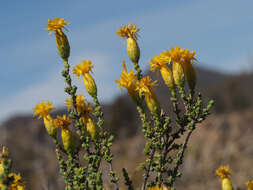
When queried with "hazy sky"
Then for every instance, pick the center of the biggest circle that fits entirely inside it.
(221, 32)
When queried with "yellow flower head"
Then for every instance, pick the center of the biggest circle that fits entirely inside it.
(62, 122)
(127, 79)
(166, 56)
(249, 184)
(223, 172)
(177, 54)
(189, 56)
(56, 24)
(17, 183)
(145, 85)
(84, 67)
(129, 31)
(157, 63)
(80, 103)
(42, 109)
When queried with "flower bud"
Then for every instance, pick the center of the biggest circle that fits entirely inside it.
(62, 45)
(90, 84)
(152, 103)
(68, 140)
(91, 128)
(133, 50)
(226, 184)
(178, 74)
(50, 127)
(167, 76)
(190, 75)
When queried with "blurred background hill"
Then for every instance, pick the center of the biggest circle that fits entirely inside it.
(225, 138)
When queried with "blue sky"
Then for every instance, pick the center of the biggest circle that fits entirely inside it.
(221, 32)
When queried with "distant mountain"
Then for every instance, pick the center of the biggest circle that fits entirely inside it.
(33, 151)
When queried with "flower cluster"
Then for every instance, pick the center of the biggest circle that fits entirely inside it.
(9, 180)
(224, 172)
(181, 60)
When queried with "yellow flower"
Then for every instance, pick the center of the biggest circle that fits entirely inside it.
(62, 122)
(128, 81)
(17, 183)
(91, 128)
(146, 87)
(249, 184)
(176, 54)
(56, 24)
(50, 126)
(63, 47)
(157, 63)
(166, 56)
(129, 31)
(68, 139)
(178, 74)
(83, 69)
(189, 56)
(42, 109)
(223, 172)
(80, 103)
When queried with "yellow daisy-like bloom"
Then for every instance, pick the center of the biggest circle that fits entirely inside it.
(62, 42)
(157, 63)
(62, 122)
(129, 31)
(249, 184)
(83, 69)
(189, 56)
(68, 139)
(146, 87)
(223, 172)
(56, 24)
(128, 81)
(42, 109)
(176, 54)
